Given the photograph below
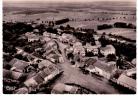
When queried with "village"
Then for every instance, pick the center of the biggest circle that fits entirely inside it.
(45, 58)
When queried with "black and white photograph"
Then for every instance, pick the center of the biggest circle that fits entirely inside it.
(69, 47)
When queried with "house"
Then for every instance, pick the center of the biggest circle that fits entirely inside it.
(45, 39)
(67, 38)
(126, 80)
(44, 63)
(43, 76)
(68, 50)
(109, 49)
(96, 37)
(52, 44)
(31, 37)
(28, 34)
(51, 53)
(36, 31)
(47, 34)
(113, 39)
(55, 58)
(93, 49)
(61, 88)
(59, 31)
(130, 72)
(100, 67)
(23, 90)
(79, 49)
(98, 44)
(12, 74)
(77, 44)
(18, 65)
(61, 59)
(34, 25)
(54, 36)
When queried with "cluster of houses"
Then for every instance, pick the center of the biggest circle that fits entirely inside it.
(128, 79)
(75, 52)
(31, 37)
(51, 47)
(67, 38)
(109, 49)
(31, 76)
(78, 51)
(99, 67)
(37, 71)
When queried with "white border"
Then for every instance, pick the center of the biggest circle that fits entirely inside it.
(55, 97)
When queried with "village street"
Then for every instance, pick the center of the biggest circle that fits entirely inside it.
(74, 75)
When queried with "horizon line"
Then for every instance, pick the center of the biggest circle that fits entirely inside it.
(42, 1)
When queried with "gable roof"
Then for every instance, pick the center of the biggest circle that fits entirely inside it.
(61, 88)
(91, 63)
(13, 61)
(11, 74)
(127, 81)
(18, 64)
(39, 77)
(104, 66)
(44, 63)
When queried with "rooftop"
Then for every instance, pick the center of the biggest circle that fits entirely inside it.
(61, 88)
(44, 63)
(108, 47)
(18, 64)
(91, 63)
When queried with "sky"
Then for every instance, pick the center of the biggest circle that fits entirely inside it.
(65, 0)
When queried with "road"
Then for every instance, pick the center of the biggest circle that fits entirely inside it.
(74, 75)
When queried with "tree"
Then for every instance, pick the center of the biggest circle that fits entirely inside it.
(19, 56)
(29, 49)
(103, 40)
(111, 57)
(61, 27)
(99, 53)
(70, 56)
(119, 62)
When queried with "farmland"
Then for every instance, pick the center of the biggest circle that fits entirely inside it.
(81, 15)
(128, 33)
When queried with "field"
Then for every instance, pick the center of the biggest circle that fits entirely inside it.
(128, 33)
(81, 15)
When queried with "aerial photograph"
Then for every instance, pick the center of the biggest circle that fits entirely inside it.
(69, 47)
